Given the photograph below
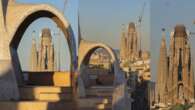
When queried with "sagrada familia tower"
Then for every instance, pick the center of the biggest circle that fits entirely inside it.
(43, 59)
(129, 44)
(175, 78)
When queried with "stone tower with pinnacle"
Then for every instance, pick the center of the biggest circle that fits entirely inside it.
(175, 82)
(43, 59)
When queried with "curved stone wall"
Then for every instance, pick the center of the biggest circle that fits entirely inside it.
(17, 18)
(120, 95)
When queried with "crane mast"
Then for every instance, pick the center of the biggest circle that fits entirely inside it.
(140, 19)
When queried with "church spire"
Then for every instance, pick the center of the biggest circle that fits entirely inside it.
(33, 61)
(123, 45)
(163, 42)
(179, 72)
(162, 72)
(46, 52)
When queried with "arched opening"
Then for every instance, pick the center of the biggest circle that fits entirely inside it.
(97, 68)
(42, 51)
(96, 80)
(65, 28)
(99, 90)
(61, 87)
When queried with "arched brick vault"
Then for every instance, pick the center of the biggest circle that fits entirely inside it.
(20, 16)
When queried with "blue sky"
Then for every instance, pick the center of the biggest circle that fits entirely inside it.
(166, 14)
(101, 20)
(25, 45)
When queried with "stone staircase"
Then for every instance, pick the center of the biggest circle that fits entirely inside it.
(42, 98)
(46, 93)
(97, 98)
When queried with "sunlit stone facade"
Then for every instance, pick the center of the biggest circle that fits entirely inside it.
(43, 59)
(129, 44)
(175, 79)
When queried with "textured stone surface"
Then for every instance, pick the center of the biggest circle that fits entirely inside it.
(162, 72)
(14, 19)
(8, 84)
(120, 97)
(129, 44)
(37, 105)
(45, 55)
(175, 83)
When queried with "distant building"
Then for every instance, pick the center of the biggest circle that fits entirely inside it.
(100, 59)
(43, 58)
(152, 94)
(141, 89)
(137, 66)
(129, 44)
(175, 79)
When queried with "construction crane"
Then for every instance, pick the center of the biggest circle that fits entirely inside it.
(140, 19)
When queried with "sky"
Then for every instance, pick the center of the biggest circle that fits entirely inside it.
(101, 20)
(25, 45)
(166, 14)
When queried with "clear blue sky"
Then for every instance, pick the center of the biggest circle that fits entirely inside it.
(166, 14)
(25, 45)
(101, 20)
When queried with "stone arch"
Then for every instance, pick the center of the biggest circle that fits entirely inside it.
(86, 49)
(29, 14)
(120, 98)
